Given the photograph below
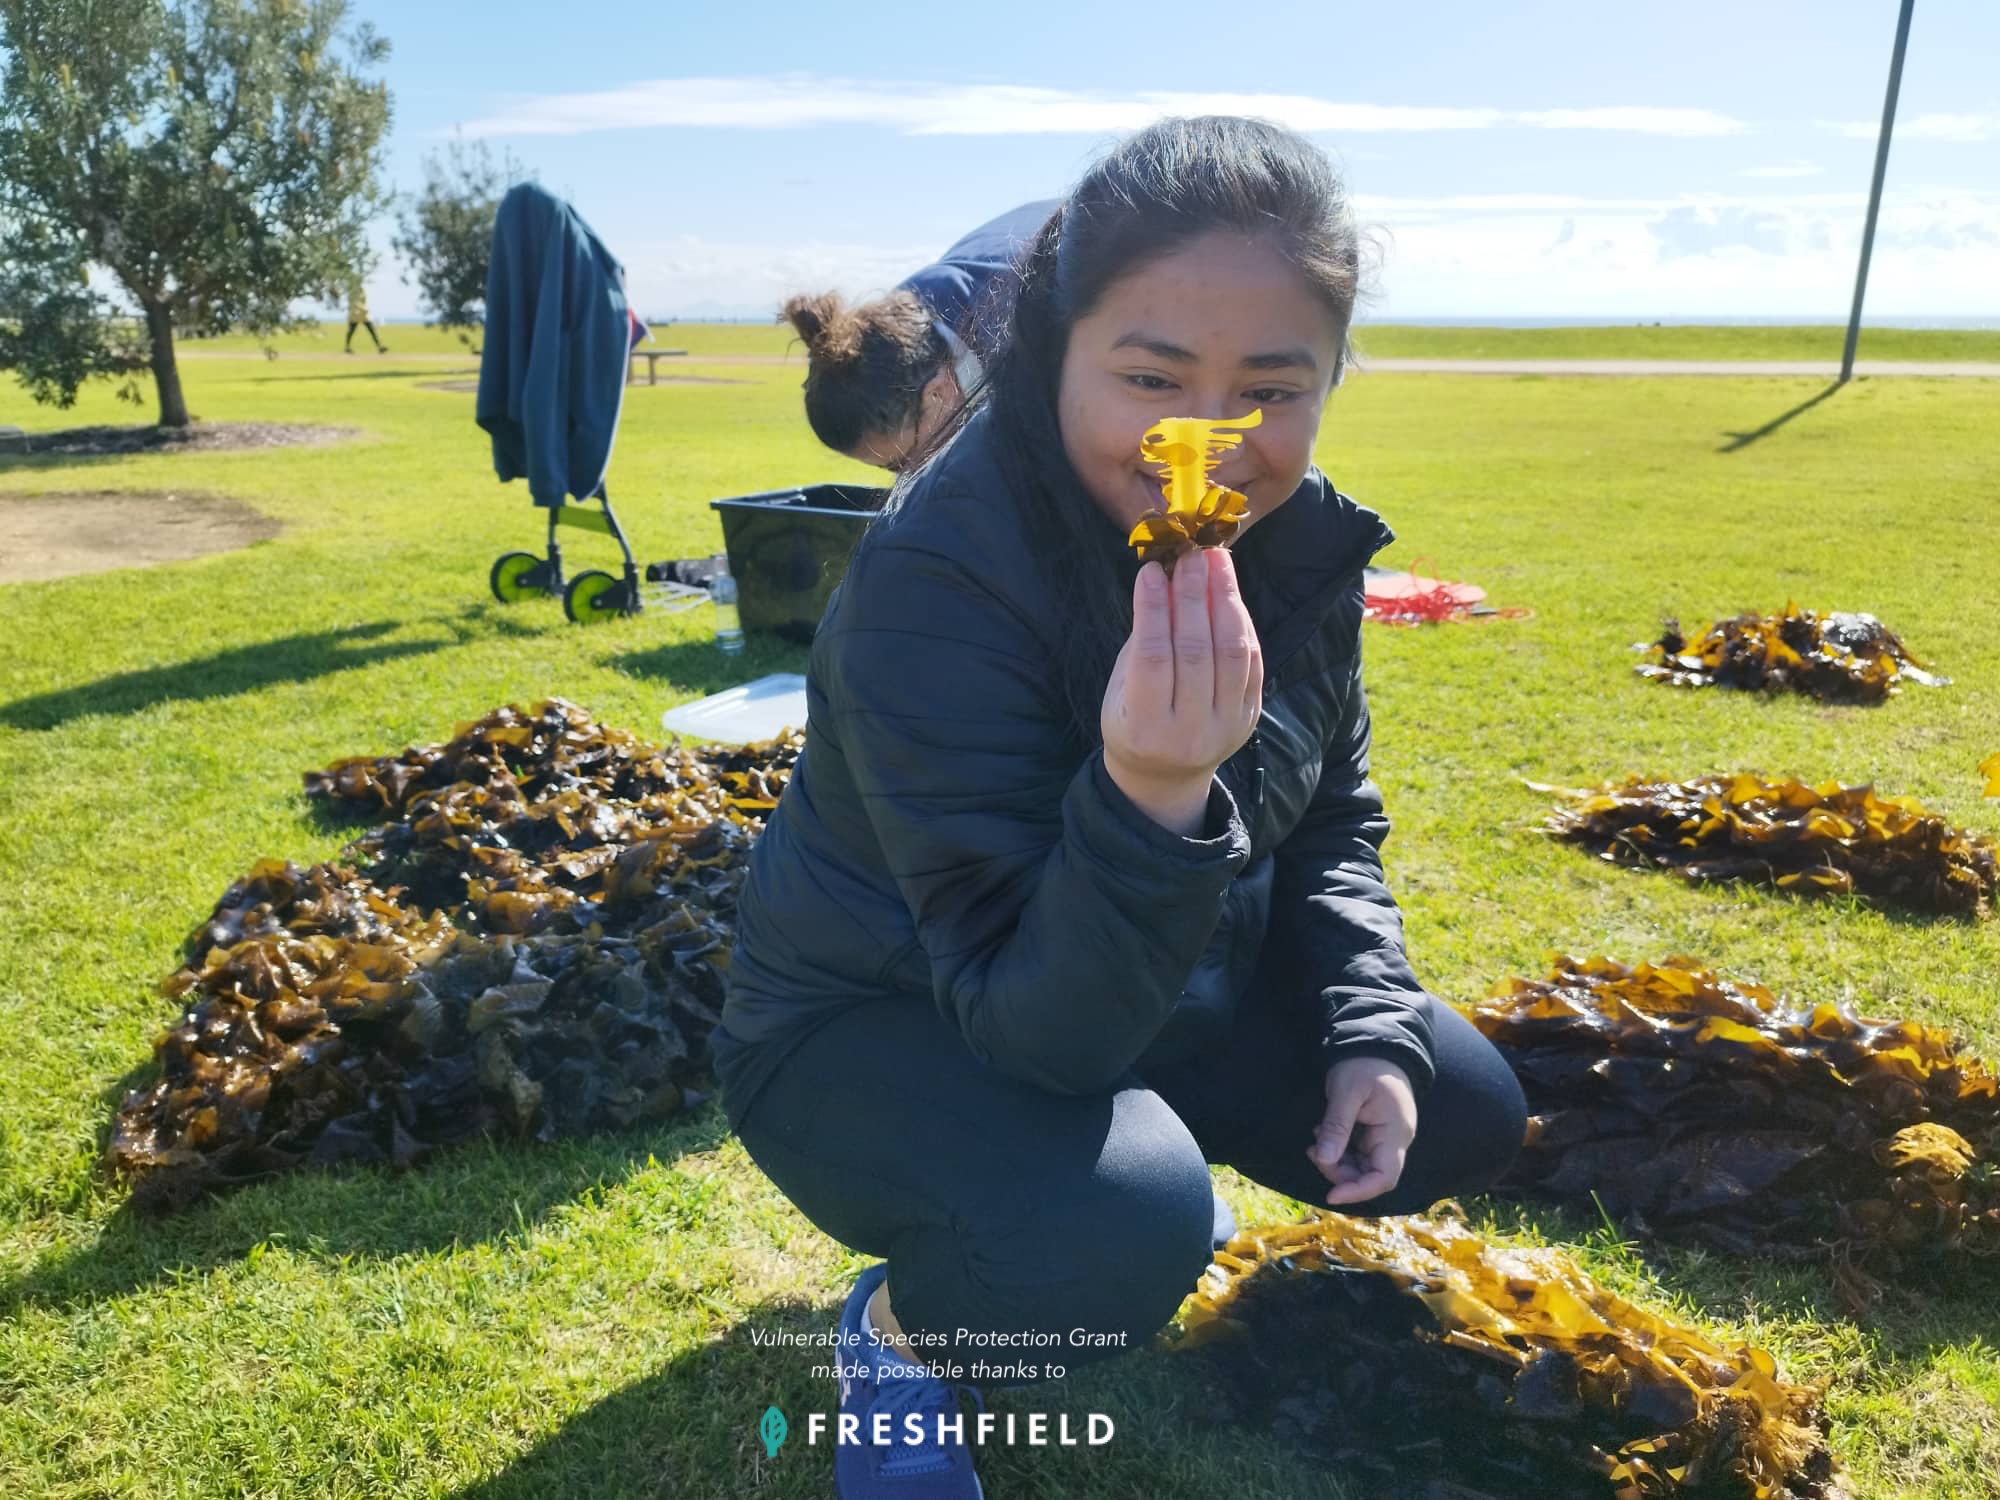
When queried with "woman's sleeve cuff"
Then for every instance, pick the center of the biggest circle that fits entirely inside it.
(1223, 835)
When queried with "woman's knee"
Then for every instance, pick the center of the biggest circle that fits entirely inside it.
(1477, 1098)
(1113, 1251)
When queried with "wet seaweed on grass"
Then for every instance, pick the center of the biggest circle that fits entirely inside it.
(534, 946)
(1702, 1108)
(1837, 657)
(1807, 839)
(1412, 1350)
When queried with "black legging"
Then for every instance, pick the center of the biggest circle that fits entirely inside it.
(1001, 1207)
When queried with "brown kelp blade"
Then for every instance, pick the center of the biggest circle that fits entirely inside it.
(1413, 1348)
(533, 945)
(1701, 1107)
(1806, 839)
(1842, 657)
(1167, 536)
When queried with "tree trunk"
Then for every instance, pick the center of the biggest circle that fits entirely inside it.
(166, 374)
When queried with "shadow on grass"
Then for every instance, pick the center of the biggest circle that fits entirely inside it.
(462, 1196)
(699, 668)
(1850, 905)
(427, 372)
(1740, 440)
(1937, 1302)
(246, 669)
(242, 669)
(48, 463)
(690, 1431)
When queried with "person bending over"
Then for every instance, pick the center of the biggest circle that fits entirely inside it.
(883, 377)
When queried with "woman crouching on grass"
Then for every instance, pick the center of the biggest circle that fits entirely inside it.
(1077, 888)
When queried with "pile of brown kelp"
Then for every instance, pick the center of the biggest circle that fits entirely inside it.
(1413, 1350)
(1840, 657)
(533, 945)
(1692, 1105)
(1809, 839)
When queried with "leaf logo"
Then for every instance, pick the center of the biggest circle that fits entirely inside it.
(772, 1430)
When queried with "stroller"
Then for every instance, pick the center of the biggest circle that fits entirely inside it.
(552, 375)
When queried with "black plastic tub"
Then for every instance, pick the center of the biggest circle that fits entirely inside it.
(788, 549)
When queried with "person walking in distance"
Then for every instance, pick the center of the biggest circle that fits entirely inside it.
(357, 317)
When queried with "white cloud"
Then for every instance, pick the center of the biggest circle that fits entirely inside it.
(795, 101)
(1734, 255)
(1500, 254)
(1784, 169)
(1751, 254)
(689, 274)
(1638, 119)
(1932, 127)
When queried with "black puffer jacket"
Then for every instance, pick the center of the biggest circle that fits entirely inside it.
(941, 840)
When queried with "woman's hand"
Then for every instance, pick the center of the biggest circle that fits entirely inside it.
(1371, 1118)
(1186, 690)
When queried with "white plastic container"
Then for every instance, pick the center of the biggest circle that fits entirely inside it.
(755, 711)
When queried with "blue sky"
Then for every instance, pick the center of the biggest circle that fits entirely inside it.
(1540, 159)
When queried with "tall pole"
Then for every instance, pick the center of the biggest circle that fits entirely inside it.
(1875, 191)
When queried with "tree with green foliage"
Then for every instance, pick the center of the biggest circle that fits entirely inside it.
(215, 161)
(445, 233)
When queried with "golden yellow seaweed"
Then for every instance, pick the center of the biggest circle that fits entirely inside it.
(534, 944)
(1990, 769)
(1366, 1333)
(1781, 831)
(1836, 657)
(1696, 1106)
(1199, 512)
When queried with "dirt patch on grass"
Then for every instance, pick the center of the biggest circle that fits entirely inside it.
(471, 386)
(202, 437)
(58, 536)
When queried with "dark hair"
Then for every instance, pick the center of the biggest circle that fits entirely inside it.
(866, 366)
(1154, 192)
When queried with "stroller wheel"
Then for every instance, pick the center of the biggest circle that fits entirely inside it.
(593, 596)
(513, 577)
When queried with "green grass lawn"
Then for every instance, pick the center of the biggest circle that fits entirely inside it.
(515, 1321)
(1642, 341)
(1382, 340)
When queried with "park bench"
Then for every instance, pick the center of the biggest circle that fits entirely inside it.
(652, 357)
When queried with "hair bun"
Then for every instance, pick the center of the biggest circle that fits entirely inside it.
(829, 330)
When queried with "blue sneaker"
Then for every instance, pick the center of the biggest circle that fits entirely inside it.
(936, 1468)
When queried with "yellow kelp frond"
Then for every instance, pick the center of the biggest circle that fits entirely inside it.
(1805, 839)
(533, 943)
(1838, 658)
(1415, 1349)
(1695, 1106)
(1199, 513)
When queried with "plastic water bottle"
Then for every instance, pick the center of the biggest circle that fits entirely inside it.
(728, 627)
